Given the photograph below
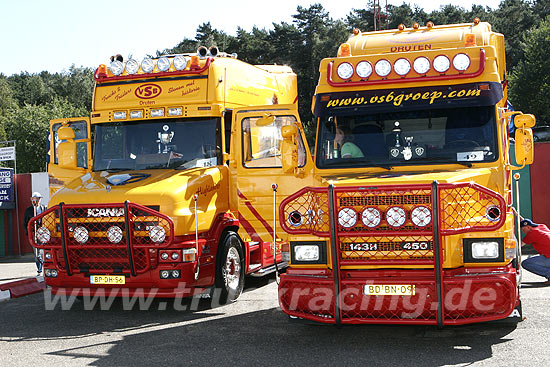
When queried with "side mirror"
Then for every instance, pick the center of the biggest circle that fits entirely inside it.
(265, 121)
(289, 148)
(525, 152)
(524, 121)
(66, 150)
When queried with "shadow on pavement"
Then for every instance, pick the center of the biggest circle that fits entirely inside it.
(237, 334)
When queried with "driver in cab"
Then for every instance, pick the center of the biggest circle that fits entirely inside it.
(348, 149)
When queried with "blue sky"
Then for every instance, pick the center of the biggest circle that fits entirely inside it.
(37, 35)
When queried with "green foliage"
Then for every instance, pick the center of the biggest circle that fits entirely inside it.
(530, 80)
(29, 126)
(513, 18)
(28, 101)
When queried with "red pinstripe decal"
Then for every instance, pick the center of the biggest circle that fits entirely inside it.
(255, 213)
(249, 229)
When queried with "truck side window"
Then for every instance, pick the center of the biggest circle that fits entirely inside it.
(80, 137)
(262, 144)
(227, 125)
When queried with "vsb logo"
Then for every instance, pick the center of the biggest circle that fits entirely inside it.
(148, 91)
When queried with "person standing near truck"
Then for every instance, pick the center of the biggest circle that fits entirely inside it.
(30, 212)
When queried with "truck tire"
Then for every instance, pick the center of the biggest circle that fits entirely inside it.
(230, 268)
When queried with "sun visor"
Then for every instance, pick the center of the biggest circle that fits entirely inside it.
(387, 100)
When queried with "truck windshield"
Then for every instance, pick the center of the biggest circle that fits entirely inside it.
(169, 143)
(451, 135)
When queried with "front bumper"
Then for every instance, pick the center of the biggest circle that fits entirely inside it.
(469, 296)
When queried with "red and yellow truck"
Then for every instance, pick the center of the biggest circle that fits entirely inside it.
(409, 219)
(178, 195)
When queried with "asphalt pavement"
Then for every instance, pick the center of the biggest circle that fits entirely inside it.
(37, 330)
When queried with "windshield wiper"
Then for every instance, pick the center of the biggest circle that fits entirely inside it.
(439, 159)
(359, 163)
(110, 170)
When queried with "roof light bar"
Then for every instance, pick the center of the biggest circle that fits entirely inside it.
(422, 65)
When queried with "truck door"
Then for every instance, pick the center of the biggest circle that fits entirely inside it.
(60, 174)
(259, 165)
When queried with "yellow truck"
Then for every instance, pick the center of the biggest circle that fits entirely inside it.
(168, 188)
(409, 219)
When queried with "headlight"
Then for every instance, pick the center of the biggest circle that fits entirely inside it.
(371, 217)
(114, 234)
(421, 216)
(43, 235)
(132, 66)
(306, 253)
(364, 69)
(147, 65)
(347, 217)
(485, 250)
(175, 256)
(164, 255)
(345, 70)
(157, 234)
(480, 250)
(395, 216)
(442, 63)
(164, 274)
(461, 62)
(421, 65)
(402, 67)
(180, 62)
(80, 234)
(163, 63)
(116, 67)
(382, 68)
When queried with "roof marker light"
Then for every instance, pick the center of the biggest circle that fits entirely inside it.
(102, 71)
(430, 24)
(469, 39)
(344, 50)
(194, 63)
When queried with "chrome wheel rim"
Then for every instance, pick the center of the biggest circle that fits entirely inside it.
(232, 269)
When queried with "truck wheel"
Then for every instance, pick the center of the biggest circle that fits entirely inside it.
(230, 269)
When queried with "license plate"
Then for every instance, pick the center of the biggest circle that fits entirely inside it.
(107, 279)
(390, 290)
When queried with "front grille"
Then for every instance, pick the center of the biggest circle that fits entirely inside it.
(80, 243)
(380, 200)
